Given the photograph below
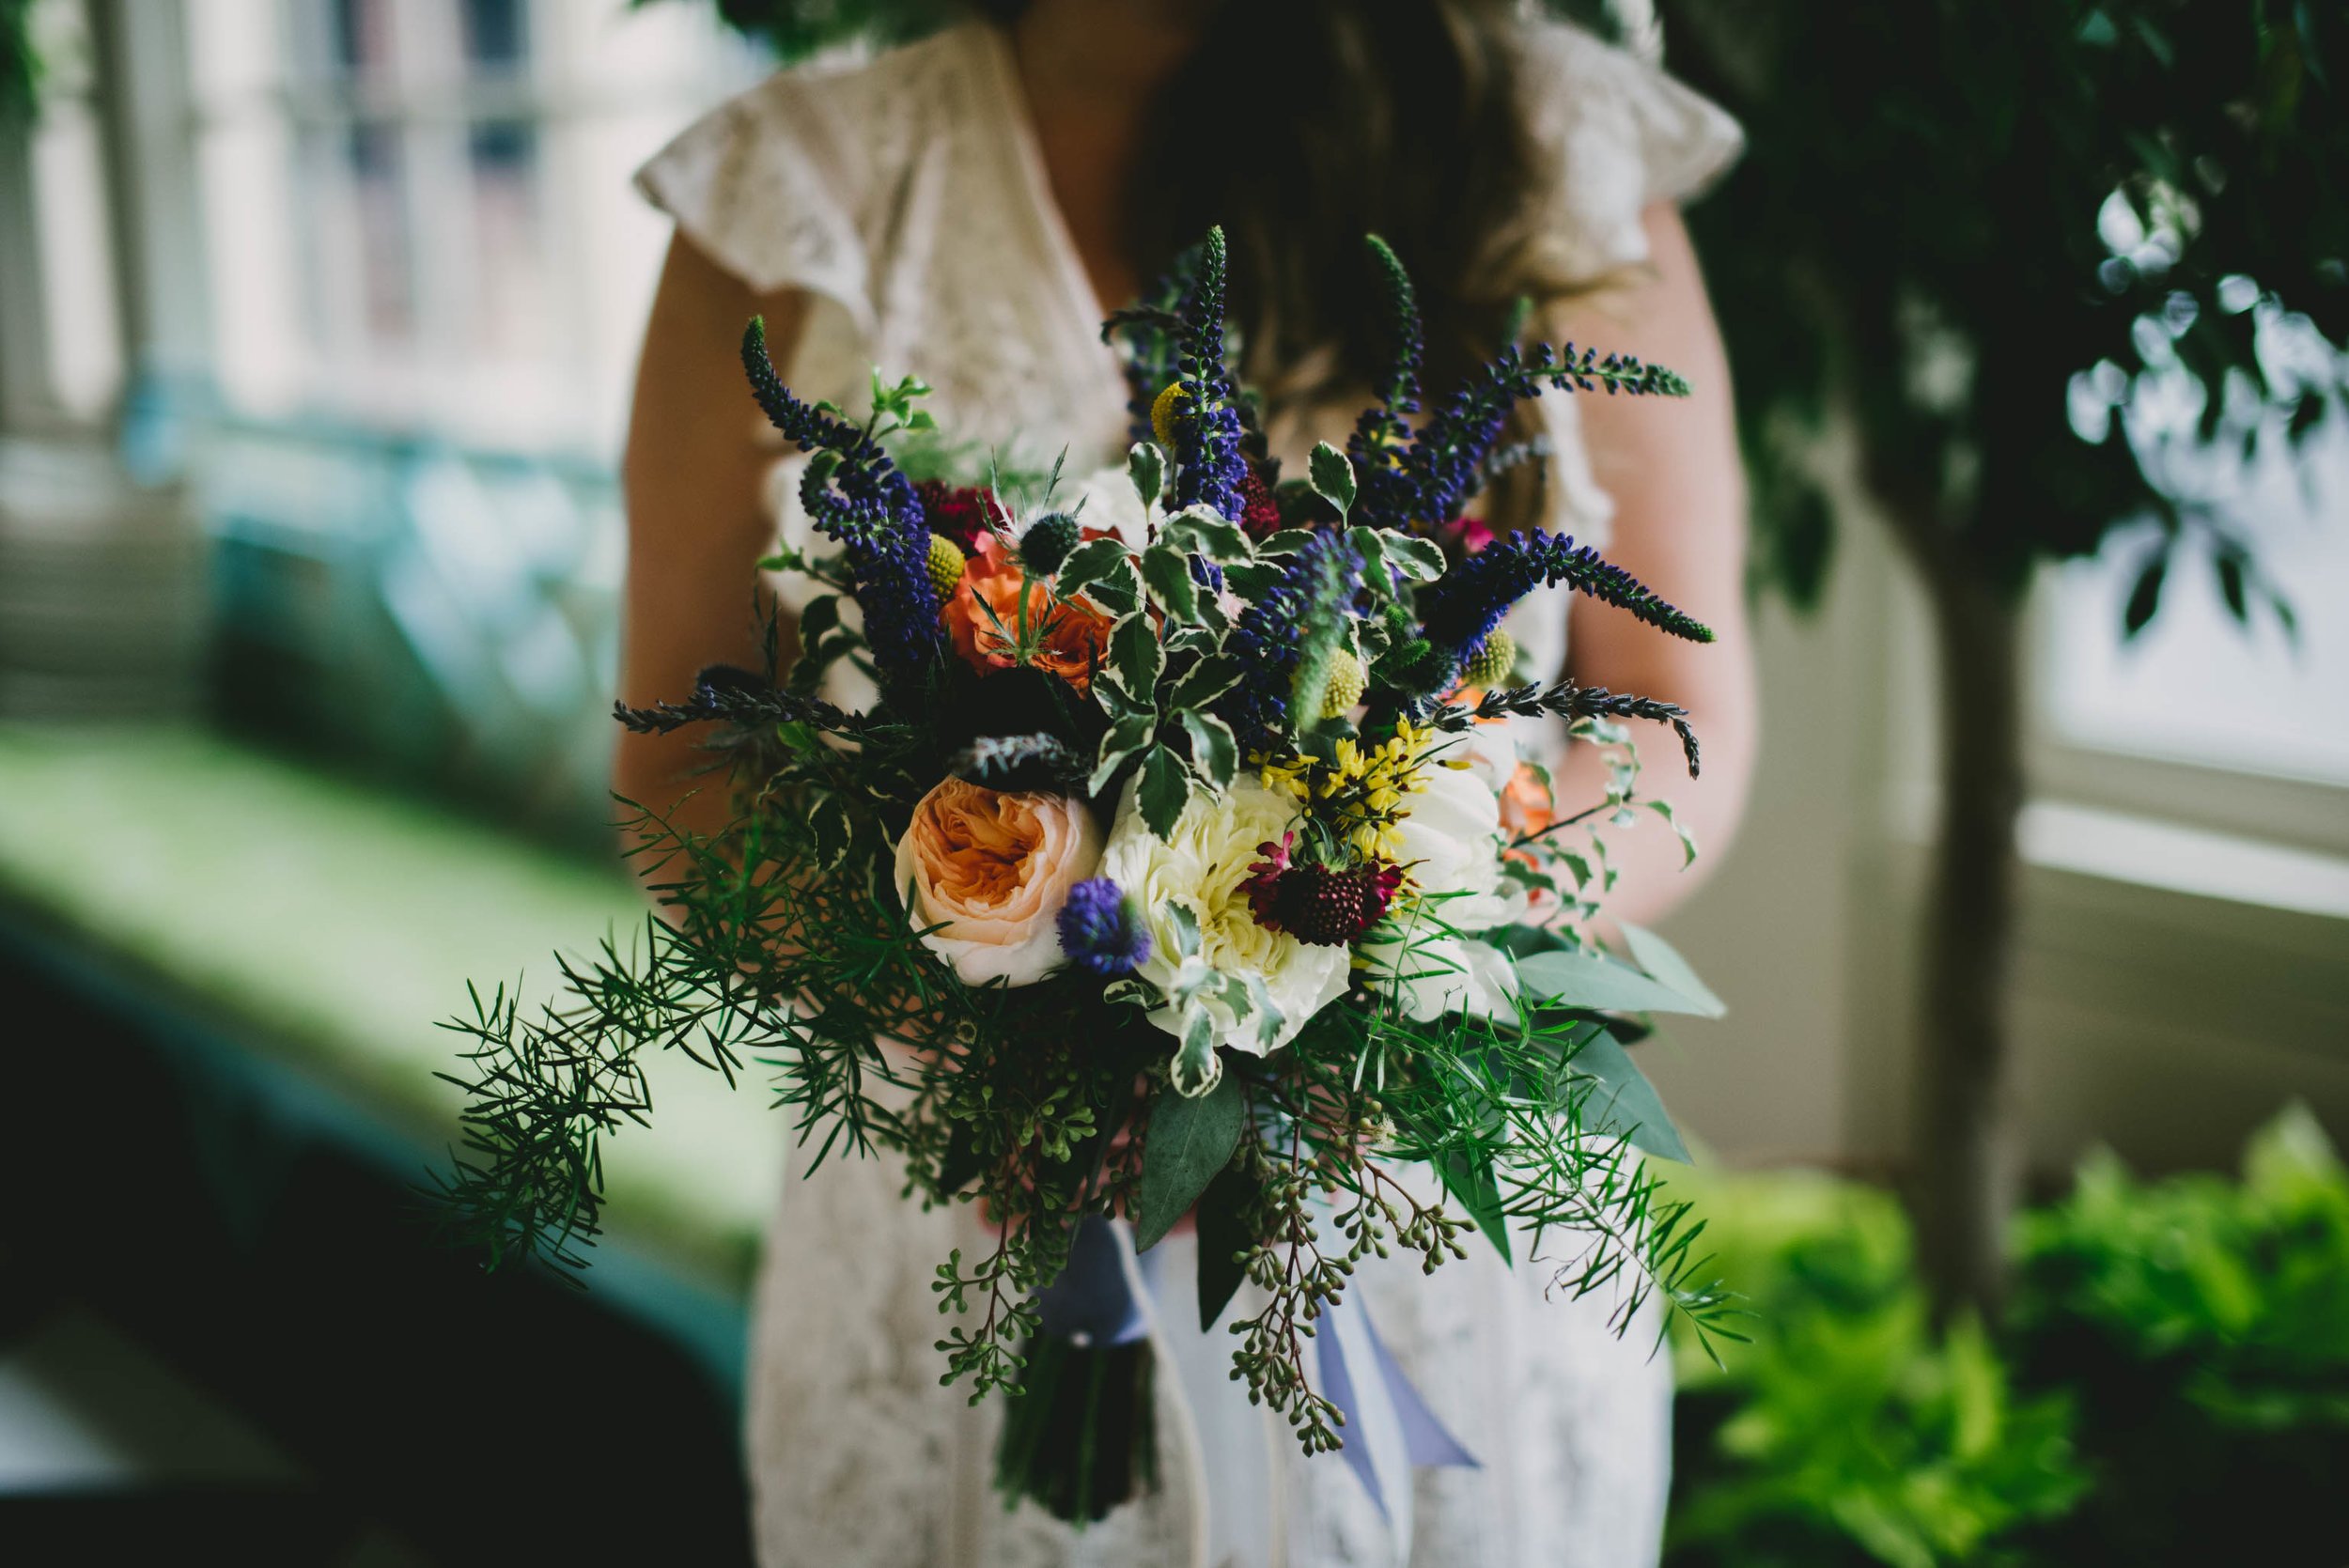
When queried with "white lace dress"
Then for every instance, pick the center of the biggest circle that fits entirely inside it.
(907, 199)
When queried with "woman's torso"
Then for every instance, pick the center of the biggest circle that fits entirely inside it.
(908, 201)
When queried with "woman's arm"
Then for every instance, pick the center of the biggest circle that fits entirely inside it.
(697, 522)
(1672, 469)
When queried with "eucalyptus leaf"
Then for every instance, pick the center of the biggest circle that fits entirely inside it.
(1662, 963)
(1224, 1241)
(1333, 476)
(1624, 1105)
(1189, 1145)
(1595, 983)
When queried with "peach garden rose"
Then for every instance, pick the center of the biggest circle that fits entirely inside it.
(995, 866)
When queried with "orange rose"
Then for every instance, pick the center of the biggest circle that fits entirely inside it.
(995, 868)
(1068, 640)
(1526, 806)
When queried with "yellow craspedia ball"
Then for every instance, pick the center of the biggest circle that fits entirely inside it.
(1494, 662)
(1162, 413)
(1346, 681)
(945, 564)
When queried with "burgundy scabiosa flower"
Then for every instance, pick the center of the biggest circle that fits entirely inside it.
(1320, 906)
(1260, 515)
(962, 513)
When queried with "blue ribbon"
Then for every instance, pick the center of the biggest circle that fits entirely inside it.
(1090, 1304)
(1388, 1425)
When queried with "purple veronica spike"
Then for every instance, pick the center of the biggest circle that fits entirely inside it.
(873, 512)
(1209, 467)
(1460, 611)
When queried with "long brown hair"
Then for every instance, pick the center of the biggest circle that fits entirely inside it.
(1302, 124)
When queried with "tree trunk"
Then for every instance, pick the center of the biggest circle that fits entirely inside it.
(1967, 1175)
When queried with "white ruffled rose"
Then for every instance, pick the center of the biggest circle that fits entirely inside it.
(1450, 842)
(1111, 505)
(1202, 867)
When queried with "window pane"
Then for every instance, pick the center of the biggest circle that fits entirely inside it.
(2195, 685)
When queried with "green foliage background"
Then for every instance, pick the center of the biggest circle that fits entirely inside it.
(2171, 1386)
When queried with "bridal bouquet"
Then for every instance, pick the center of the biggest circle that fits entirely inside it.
(1182, 867)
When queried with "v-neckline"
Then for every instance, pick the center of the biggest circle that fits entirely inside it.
(1076, 290)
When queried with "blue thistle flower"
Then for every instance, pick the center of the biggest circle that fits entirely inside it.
(856, 498)
(1101, 931)
(1285, 639)
(1208, 468)
(1459, 612)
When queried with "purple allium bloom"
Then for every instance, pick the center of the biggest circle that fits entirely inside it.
(1100, 931)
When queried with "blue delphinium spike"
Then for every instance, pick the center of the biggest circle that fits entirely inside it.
(1100, 930)
(1462, 610)
(1384, 428)
(1153, 331)
(1293, 625)
(1445, 464)
(862, 503)
(1207, 429)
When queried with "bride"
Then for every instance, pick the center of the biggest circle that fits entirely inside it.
(966, 209)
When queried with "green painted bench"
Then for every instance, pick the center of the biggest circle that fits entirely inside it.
(328, 928)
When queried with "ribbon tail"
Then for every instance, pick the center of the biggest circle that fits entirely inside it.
(1373, 1442)
(1425, 1437)
(1389, 1426)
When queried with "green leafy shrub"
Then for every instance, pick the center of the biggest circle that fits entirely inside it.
(1849, 1431)
(2202, 1327)
(2171, 1386)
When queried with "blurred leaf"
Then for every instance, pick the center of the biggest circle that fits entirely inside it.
(2230, 568)
(1664, 963)
(1626, 1105)
(1593, 982)
(2145, 597)
(1223, 1241)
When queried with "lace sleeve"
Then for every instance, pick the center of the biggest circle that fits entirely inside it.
(1617, 134)
(770, 186)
